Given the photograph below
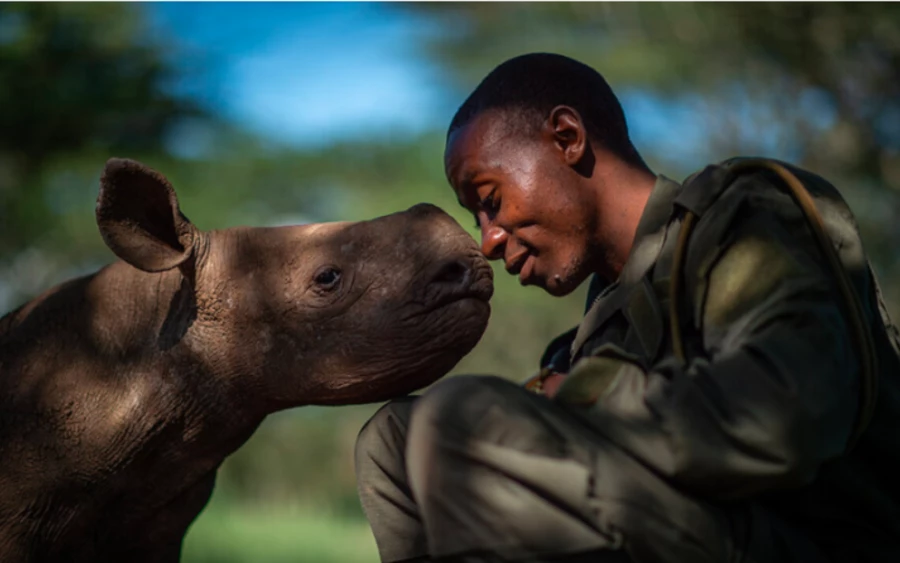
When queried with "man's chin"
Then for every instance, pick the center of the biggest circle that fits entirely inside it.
(559, 290)
(556, 286)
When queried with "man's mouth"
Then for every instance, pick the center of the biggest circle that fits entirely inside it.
(514, 264)
(523, 266)
(478, 286)
(527, 271)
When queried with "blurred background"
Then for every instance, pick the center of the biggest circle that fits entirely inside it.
(266, 114)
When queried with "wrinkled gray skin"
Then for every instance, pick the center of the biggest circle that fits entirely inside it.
(122, 392)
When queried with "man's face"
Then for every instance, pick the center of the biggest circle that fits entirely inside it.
(534, 210)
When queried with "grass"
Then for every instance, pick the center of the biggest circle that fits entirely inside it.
(229, 533)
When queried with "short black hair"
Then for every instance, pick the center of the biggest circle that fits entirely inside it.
(532, 85)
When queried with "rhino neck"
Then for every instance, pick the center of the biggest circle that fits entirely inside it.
(191, 353)
(7, 321)
(100, 327)
(130, 314)
(118, 330)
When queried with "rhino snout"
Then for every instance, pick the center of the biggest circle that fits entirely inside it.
(462, 276)
(453, 273)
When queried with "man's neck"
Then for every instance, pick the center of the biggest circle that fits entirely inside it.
(623, 192)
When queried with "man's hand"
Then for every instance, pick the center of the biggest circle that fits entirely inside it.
(592, 377)
(589, 379)
(552, 383)
(546, 382)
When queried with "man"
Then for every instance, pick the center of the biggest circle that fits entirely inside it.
(746, 429)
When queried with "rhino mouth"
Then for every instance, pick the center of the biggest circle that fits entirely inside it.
(482, 285)
(458, 280)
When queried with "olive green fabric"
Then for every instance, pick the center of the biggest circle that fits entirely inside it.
(740, 455)
(480, 470)
(449, 477)
(767, 402)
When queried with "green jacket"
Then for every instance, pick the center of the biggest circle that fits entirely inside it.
(767, 401)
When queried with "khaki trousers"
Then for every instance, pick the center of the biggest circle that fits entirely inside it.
(478, 469)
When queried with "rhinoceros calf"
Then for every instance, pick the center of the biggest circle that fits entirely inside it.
(122, 392)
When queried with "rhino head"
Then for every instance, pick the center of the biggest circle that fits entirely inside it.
(331, 313)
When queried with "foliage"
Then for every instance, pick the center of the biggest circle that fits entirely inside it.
(839, 63)
(73, 77)
(815, 84)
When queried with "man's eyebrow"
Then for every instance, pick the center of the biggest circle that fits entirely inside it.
(468, 178)
(465, 185)
(465, 188)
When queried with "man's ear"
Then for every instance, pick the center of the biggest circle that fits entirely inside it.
(569, 133)
(139, 219)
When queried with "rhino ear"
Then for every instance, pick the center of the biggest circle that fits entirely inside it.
(139, 219)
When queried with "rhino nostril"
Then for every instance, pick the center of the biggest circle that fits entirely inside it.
(453, 272)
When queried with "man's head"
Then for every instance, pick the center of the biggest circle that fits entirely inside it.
(540, 153)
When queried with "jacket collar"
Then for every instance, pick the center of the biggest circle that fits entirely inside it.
(655, 216)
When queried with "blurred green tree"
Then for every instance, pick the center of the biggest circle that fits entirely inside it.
(74, 77)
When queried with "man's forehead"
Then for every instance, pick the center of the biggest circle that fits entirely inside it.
(463, 162)
(475, 143)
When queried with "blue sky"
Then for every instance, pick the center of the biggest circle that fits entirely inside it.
(308, 73)
(313, 73)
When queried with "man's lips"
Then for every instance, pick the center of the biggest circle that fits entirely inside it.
(515, 263)
(527, 270)
(523, 265)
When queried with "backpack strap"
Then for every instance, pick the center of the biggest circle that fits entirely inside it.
(696, 201)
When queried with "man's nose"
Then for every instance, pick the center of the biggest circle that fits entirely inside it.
(493, 241)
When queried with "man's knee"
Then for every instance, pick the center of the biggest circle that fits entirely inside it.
(384, 435)
(489, 469)
(460, 415)
(456, 408)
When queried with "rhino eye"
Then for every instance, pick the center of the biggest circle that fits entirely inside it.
(327, 277)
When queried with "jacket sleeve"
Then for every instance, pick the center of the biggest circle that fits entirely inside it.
(775, 394)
